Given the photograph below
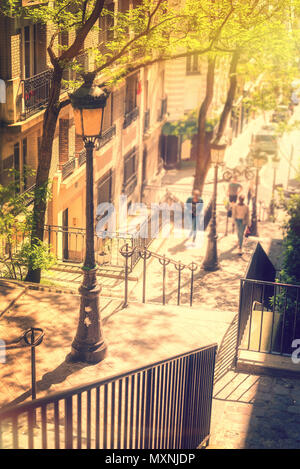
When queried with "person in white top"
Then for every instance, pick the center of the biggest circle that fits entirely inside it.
(240, 213)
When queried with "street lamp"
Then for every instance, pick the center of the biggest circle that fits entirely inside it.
(275, 165)
(217, 153)
(259, 159)
(88, 104)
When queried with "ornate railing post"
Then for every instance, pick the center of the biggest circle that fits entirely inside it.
(164, 262)
(145, 255)
(179, 267)
(126, 253)
(193, 267)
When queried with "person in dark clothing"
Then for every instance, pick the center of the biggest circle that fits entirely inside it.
(234, 188)
(193, 210)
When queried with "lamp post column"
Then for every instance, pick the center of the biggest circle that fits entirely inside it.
(272, 204)
(88, 345)
(211, 258)
(254, 231)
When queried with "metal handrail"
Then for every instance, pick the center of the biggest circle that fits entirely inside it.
(59, 395)
(145, 254)
(32, 341)
(276, 320)
(68, 168)
(265, 282)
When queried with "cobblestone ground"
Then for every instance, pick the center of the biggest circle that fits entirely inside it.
(258, 412)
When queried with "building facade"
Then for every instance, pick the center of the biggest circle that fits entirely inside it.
(129, 154)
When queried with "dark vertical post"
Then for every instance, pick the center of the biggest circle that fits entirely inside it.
(272, 204)
(253, 229)
(211, 258)
(88, 345)
(33, 371)
(125, 304)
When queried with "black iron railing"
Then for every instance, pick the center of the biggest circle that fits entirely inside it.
(81, 157)
(146, 120)
(269, 316)
(36, 91)
(68, 244)
(31, 338)
(130, 117)
(165, 405)
(107, 136)
(177, 283)
(29, 195)
(68, 168)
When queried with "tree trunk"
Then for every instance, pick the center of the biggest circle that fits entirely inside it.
(203, 156)
(230, 96)
(44, 163)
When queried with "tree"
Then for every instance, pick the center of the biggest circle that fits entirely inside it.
(251, 31)
(150, 32)
(17, 253)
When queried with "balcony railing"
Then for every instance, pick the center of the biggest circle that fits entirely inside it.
(82, 157)
(68, 244)
(68, 168)
(146, 120)
(165, 405)
(163, 108)
(36, 91)
(269, 317)
(29, 195)
(107, 136)
(130, 117)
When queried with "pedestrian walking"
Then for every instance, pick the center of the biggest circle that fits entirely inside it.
(194, 210)
(240, 213)
(234, 189)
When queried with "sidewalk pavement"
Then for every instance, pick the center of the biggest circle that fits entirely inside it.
(255, 412)
(136, 336)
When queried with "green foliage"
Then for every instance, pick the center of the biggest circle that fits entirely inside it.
(16, 252)
(187, 127)
(290, 272)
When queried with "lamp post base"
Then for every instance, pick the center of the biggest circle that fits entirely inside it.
(211, 259)
(88, 345)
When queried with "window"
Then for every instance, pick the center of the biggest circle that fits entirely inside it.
(108, 116)
(104, 188)
(193, 64)
(24, 152)
(16, 165)
(63, 140)
(131, 93)
(106, 23)
(123, 6)
(130, 179)
(29, 51)
(110, 22)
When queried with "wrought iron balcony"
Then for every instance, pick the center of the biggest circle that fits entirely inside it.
(36, 91)
(82, 157)
(30, 198)
(130, 117)
(107, 136)
(146, 120)
(68, 168)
